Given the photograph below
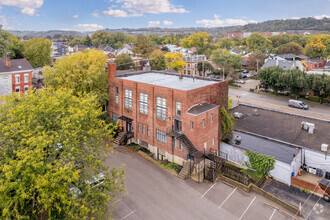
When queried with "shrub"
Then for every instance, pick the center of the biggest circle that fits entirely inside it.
(314, 98)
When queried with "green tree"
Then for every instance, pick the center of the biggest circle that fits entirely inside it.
(54, 147)
(174, 61)
(199, 40)
(204, 66)
(259, 165)
(77, 41)
(291, 47)
(165, 49)
(142, 46)
(88, 41)
(256, 59)
(225, 43)
(82, 72)
(37, 51)
(223, 59)
(5, 40)
(16, 48)
(124, 62)
(258, 42)
(227, 122)
(157, 60)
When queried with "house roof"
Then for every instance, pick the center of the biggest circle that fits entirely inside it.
(279, 151)
(288, 56)
(20, 65)
(284, 64)
(200, 108)
(282, 126)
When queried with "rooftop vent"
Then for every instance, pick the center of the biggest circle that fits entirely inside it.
(237, 139)
(324, 147)
(238, 115)
(308, 127)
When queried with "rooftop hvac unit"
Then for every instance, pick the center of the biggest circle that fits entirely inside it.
(238, 115)
(324, 147)
(308, 127)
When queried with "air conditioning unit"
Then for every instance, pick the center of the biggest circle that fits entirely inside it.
(238, 115)
(311, 127)
(324, 147)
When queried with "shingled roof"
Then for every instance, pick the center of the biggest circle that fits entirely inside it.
(17, 65)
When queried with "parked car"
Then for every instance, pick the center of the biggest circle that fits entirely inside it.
(240, 81)
(325, 185)
(245, 71)
(246, 76)
(297, 104)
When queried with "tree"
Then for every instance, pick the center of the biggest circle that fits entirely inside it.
(174, 61)
(225, 43)
(142, 46)
(227, 122)
(318, 46)
(5, 40)
(165, 49)
(291, 47)
(204, 66)
(49, 152)
(16, 48)
(259, 165)
(88, 41)
(256, 59)
(82, 72)
(223, 59)
(199, 40)
(157, 60)
(258, 42)
(76, 41)
(124, 62)
(37, 51)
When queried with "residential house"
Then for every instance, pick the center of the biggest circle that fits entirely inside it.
(79, 48)
(59, 49)
(232, 35)
(284, 64)
(173, 48)
(175, 117)
(191, 69)
(124, 51)
(15, 75)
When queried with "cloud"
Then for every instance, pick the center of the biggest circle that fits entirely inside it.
(96, 14)
(321, 16)
(136, 8)
(75, 16)
(153, 23)
(28, 7)
(216, 22)
(166, 22)
(89, 27)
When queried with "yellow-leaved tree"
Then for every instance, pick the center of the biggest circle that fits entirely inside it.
(174, 61)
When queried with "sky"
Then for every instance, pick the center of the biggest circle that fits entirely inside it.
(92, 15)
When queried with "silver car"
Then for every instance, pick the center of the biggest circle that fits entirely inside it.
(297, 104)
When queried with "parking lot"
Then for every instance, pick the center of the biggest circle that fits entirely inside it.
(153, 193)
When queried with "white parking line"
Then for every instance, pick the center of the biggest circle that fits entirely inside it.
(227, 198)
(272, 214)
(208, 190)
(247, 208)
(128, 215)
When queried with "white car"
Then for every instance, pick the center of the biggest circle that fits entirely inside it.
(240, 81)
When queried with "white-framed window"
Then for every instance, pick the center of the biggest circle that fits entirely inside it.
(213, 141)
(143, 130)
(178, 109)
(17, 89)
(144, 103)
(148, 131)
(116, 95)
(175, 142)
(160, 136)
(26, 78)
(191, 125)
(181, 146)
(138, 127)
(17, 81)
(115, 117)
(161, 108)
(203, 123)
(212, 118)
(26, 88)
(128, 99)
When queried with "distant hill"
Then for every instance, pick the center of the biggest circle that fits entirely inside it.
(301, 25)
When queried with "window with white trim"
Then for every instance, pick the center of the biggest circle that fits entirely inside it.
(26, 88)
(148, 131)
(26, 78)
(17, 89)
(203, 123)
(161, 108)
(116, 95)
(181, 146)
(160, 136)
(143, 130)
(143, 103)
(174, 142)
(178, 109)
(213, 141)
(128, 99)
(17, 79)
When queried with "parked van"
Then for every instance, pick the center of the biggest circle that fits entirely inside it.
(297, 104)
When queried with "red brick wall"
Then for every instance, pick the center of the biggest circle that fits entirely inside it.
(306, 185)
(22, 83)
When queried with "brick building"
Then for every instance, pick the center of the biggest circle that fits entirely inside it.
(176, 118)
(15, 75)
(232, 35)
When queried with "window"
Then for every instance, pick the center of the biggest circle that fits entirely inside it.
(115, 117)
(26, 78)
(160, 136)
(191, 125)
(181, 145)
(188, 72)
(128, 99)
(148, 131)
(17, 79)
(174, 139)
(26, 88)
(17, 89)
(203, 123)
(213, 141)
(143, 103)
(117, 95)
(211, 118)
(138, 128)
(161, 108)
(178, 109)
(143, 130)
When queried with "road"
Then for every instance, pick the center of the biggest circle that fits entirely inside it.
(279, 103)
(153, 193)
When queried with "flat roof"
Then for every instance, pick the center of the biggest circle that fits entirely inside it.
(169, 80)
(279, 151)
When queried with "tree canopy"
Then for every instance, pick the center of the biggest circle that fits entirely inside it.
(199, 40)
(37, 51)
(124, 62)
(142, 46)
(157, 60)
(291, 47)
(174, 61)
(259, 165)
(223, 59)
(82, 72)
(48, 154)
(258, 42)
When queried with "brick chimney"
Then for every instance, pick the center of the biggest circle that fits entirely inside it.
(111, 70)
(8, 63)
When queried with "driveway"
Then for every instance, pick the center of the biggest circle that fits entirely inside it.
(312, 206)
(153, 193)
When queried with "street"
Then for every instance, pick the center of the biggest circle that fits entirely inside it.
(153, 193)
